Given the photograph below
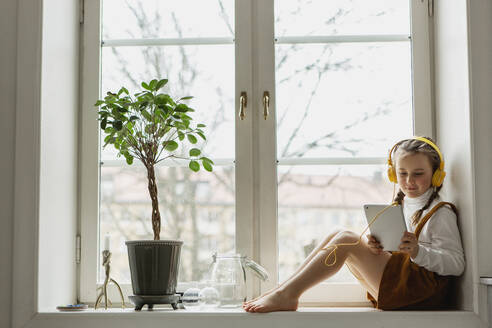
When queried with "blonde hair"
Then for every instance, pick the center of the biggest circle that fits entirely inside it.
(411, 147)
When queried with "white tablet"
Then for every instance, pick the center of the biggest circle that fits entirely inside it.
(389, 227)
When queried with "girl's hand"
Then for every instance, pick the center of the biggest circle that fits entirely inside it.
(374, 245)
(409, 244)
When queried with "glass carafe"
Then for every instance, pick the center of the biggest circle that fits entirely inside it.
(229, 277)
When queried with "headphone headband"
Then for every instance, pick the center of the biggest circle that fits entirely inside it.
(433, 145)
(427, 141)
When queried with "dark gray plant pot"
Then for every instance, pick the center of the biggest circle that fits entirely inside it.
(154, 266)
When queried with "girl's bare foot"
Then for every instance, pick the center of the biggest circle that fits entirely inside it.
(262, 295)
(277, 300)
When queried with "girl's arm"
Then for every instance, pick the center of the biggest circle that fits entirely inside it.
(444, 254)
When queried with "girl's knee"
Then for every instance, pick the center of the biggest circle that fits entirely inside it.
(346, 236)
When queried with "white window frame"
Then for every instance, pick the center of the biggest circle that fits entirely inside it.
(349, 294)
(256, 164)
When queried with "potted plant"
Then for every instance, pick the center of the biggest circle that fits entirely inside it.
(151, 126)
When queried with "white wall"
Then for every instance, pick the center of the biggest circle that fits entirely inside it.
(55, 210)
(8, 26)
(453, 129)
(58, 163)
(480, 66)
(480, 45)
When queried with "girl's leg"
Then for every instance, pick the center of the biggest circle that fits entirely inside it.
(359, 277)
(306, 261)
(369, 265)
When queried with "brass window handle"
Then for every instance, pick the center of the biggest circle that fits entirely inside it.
(266, 104)
(243, 102)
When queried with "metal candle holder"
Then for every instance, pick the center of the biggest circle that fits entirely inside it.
(104, 288)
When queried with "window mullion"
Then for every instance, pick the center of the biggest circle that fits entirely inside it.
(311, 39)
(166, 42)
(265, 139)
(89, 152)
(422, 103)
(245, 223)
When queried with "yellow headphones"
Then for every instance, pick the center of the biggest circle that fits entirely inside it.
(437, 177)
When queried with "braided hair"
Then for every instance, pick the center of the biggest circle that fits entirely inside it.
(411, 147)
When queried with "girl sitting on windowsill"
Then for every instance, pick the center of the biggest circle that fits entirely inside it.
(420, 274)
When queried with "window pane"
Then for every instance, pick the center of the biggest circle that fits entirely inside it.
(342, 100)
(197, 208)
(317, 199)
(133, 19)
(190, 211)
(341, 17)
(204, 72)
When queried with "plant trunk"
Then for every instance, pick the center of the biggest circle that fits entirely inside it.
(156, 215)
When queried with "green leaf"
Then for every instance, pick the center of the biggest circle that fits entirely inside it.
(207, 166)
(195, 152)
(180, 126)
(122, 90)
(182, 108)
(133, 118)
(118, 125)
(122, 110)
(129, 160)
(103, 123)
(201, 135)
(99, 103)
(146, 86)
(206, 159)
(108, 138)
(146, 115)
(124, 146)
(201, 125)
(160, 115)
(181, 135)
(192, 138)
(194, 166)
(160, 84)
(153, 84)
(162, 99)
(185, 98)
(171, 145)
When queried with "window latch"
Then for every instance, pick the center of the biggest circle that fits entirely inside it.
(243, 102)
(266, 104)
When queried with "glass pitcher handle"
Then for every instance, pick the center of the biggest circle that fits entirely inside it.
(260, 271)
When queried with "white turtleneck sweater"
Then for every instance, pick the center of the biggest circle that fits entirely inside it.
(440, 248)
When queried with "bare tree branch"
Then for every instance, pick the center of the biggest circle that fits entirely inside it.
(225, 17)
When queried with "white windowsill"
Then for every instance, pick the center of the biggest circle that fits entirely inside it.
(215, 312)
(305, 317)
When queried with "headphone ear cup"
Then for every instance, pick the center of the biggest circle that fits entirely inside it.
(438, 178)
(392, 174)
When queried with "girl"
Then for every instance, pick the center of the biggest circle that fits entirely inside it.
(430, 253)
